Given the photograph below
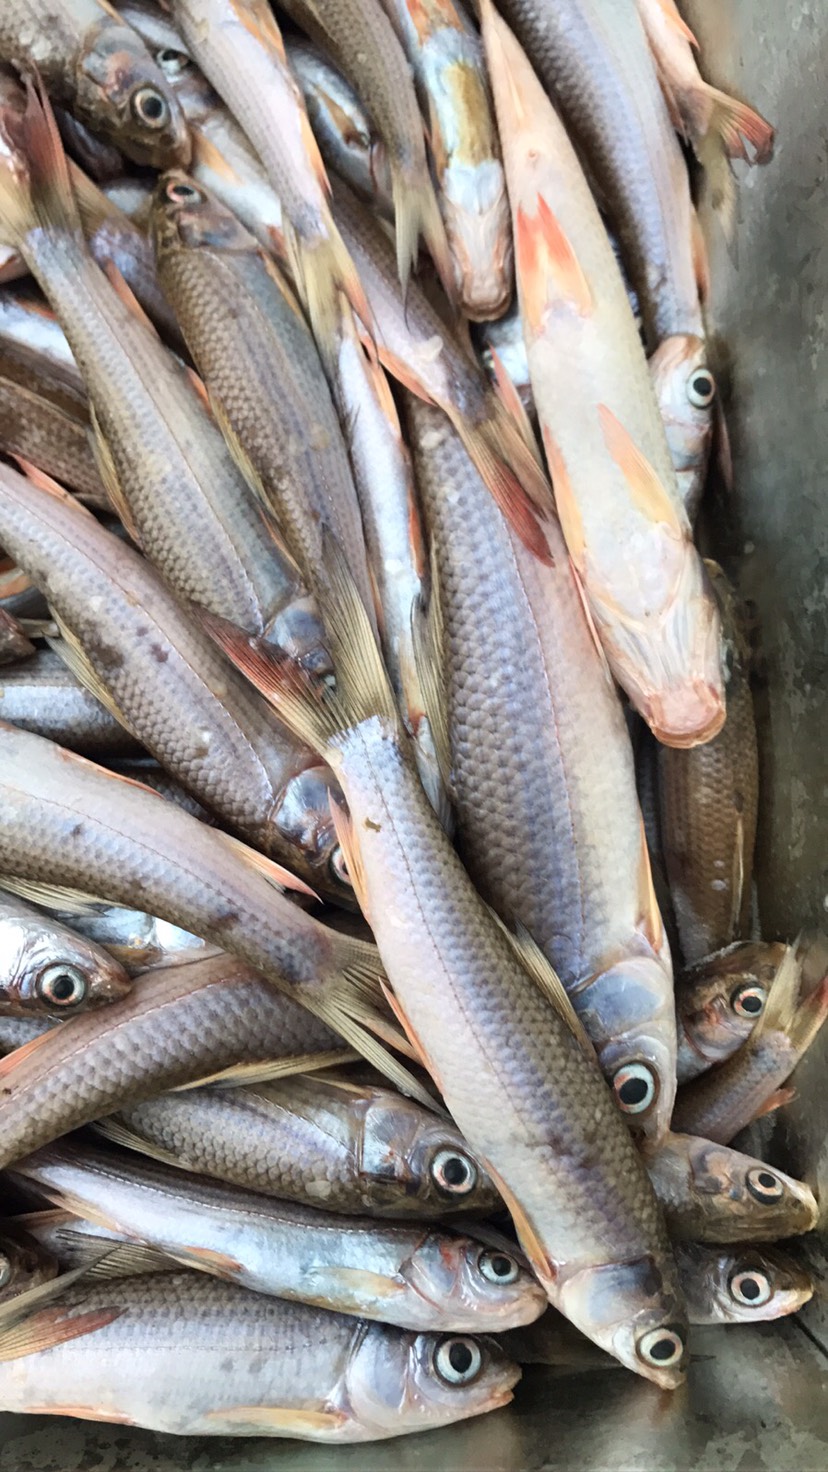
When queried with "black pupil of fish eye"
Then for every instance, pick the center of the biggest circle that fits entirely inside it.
(750, 1288)
(702, 385)
(181, 192)
(767, 1181)
(501, 1266)
(151, 106)
(455, 1171)
(168, 55)
(663, 1349)
(633, 1091)
(750, 1002)
(460, 1357)
(63, 987)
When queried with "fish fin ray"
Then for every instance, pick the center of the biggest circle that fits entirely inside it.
(276, 874)
(108, 472)
(69, 651)
(427, 635)
(267, 1071)
(733, 121)
(512, 401)
(646, 488)
(484, 444)
(416, 213)
(52, 896)
(344, 826)
(44, 196)
(547, 980)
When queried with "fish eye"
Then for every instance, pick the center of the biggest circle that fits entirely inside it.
(764, 1185)
(749, 1286)
(634, 1087)
(458, 1361)
(62, 985)
(5, 1270)
(748, 1001)
(149, 107)
(498, 1267)
(338, 866)
(661, 1347)
(701, 388)
(453, 1173)
(172, 63)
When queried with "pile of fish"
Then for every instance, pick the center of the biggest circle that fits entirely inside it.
(381, 989)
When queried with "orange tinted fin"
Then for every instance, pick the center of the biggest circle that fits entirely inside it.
(274, 873)
(45, 482)
(417, 1049)
(511, 400)
(677, 22)
(83, 1413)
(404, 374)
(527, 1235)
(569, 512)
(200, 387)
(649, 914)
(734, 122)
(277, 1420)
(546, 256)
(350, 849)
(774, 1101)
(647, 491)
(127, 295)
(322, 270)
(701, 259)
(504, 486)
(259, 20)
(21, 1055)
(218, 1263)
(49, 1327)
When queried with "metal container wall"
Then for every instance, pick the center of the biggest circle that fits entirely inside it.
(756, 1397)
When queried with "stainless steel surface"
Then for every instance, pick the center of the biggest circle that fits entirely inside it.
(757, 1398)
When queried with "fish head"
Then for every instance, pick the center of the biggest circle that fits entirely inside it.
(629, 1014)
(52, 972)
(469, 1287)
(474, 196)
(635, 1310)
(122, 93)
(398, 1381)
(412, 1162)
(744, 1283)
(23, 1264)
(304, 819)
(720, 999)
(711, 1193)
(686, 392)
(186, 216)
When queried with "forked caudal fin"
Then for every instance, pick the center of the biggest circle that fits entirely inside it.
(37, 192)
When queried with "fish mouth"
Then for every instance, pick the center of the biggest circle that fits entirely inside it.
(686, 715)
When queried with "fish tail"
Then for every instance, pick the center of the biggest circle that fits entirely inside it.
(416, 213)
(733, 122)
(324, 272)
(38, 192)
(783, 996)
(316, 713)
(809, 1017)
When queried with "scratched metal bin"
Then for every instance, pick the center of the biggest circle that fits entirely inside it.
(756, 1397)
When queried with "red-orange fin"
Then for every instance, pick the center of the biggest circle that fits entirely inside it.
(512, 402)
(212, 1261)
(775, 1101)
(44, 482)
(646, 488)
(49, 1327)
(21, 1055)
(734, 122)
(547, 261)
(569, 512)
(678, 23)
(494, 444)
(274, 873)
(527, 1234)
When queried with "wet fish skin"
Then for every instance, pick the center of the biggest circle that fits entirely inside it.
(740, 1284)
(162, 457)
(708, 799)
(45, 969)
(611, 469)
(43, 433)
(711, 1193)
(351, 1148)
(329, 1378)
(404, 1275)
(100, 69)
(139, 941)
(542, 777)
(24, 1263)
(177, 1025)
(719, 1001)
(446, 57)
(259, 362)
(726, 1099)
(347, 140)
(33, 340)
(162, 675)
(44, 697)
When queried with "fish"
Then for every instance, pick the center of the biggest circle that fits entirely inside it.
(419, 351)
(129, 640)
(76, 1242)
(99, 159)
(32, 338)
(446, 57)
(708, 799)
(717, 126)
(686, 392)
(150, 774)
(611, 470)
(39, 430)
(330, 1377)
(179, 1024)
(132, 196)
(14, 641)
(97, 66)
(62, 823)
(223, 159)
(364, 44)
(259, 363)
(719, 1001)
(138, 940)
(412, 1276)
(162, 458)
(24, 1263)
(502, 350)
(723, 1101)
(47, 970)
(711, 1193)
(43, 696)
(542, 778)
(323, 1141)
(592, 57)
(238, 46)
(543, 1122)
(741, 1284)
(348, 141)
